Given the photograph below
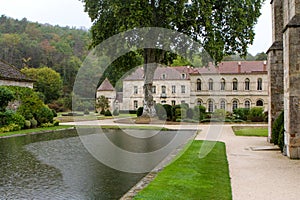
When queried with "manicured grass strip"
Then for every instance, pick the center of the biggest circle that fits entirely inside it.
(250, 131)
(35, 130)
(190, 177)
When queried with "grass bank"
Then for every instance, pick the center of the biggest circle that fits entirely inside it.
(250, 131)
(190, 177)
(34, 130)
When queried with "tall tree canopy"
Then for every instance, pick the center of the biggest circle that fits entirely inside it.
(222, 27)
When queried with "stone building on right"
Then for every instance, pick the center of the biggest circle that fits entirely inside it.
(284, 72)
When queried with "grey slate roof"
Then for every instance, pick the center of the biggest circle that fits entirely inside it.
(106, 86)
(9, 72)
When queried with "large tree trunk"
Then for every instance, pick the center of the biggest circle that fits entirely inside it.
(152, 57)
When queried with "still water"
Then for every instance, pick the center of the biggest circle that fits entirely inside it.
(58, 166)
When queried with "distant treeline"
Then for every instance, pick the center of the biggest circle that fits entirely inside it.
(33, 45)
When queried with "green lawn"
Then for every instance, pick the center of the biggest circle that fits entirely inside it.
(34, 130)
(190, 177)
(250, 131)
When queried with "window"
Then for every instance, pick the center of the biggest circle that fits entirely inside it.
(163, 89)
(222, 104)
(183, 89)
(247, 84)
(198, 84)
(173, 102)
(183, 101)
(153, 89)
(234, 84)
(222, 84)
(163, 102)
(163, 76)
(135, 105)
(173, 89)
(259, 103)
(183, 76)
(210, 84)
(210, 106)
(135, 89)
(234, 105)
(247, 104)
(259, 84)
(199, 102)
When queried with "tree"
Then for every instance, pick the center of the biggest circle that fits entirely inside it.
(223, 27)
(102, 103)
(48, 82)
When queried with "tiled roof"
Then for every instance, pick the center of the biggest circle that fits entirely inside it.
(106, 86)
(9, 72)
(226, 67)
(161, 73)
(235, 67)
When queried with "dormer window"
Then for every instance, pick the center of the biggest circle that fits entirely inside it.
(163, 76)
(183, 76)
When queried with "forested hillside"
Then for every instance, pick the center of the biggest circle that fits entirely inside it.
(24, 43)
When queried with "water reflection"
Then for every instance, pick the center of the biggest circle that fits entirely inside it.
(57, 166)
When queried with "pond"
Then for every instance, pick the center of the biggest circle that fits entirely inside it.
(58, 165)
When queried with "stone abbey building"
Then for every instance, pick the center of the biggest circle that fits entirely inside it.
(284, 72)
(230, 85)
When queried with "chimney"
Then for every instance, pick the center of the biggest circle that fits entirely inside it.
(239, 67)
(265, 66)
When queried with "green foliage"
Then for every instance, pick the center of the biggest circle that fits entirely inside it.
(29, 106)
(160, 111)
(27, 124)
(10, 117)
(9, 128)
(139, 111)
(34, 123)
(189, 113)
(86, 112)
(107, 113)
(48, 124)
(276, 128)
(44, 115)
(168, 109)
(199, 113)
(56, 123)
(27, 44)
(204, 21)
(6, 96)
(102, 103)
(48, 82)
(256, 114)
(241, 113)
(219, 114)
(281, 138)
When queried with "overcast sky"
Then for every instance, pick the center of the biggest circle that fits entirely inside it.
(71, 13)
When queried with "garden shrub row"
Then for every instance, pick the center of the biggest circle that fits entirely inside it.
(278, 131)
(30, 111)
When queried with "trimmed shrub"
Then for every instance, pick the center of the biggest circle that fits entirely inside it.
(219, 114)
(276, 128)
(139, 111)
(160, 111)
(9, 128)
(241, 113)
(107, 113)
(44, 115)
(199, 113)
(86, 112)
(56, 123)
(27, 124)
(10, 117)
(281, 138)
(48, 124)
(54, 113)
(102, 112)
(256, 114)
(189, 113)
(6, 95)
(168, 109)
(34, 123)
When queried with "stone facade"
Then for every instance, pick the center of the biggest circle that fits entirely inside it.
(175, 85)
(287, 13)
